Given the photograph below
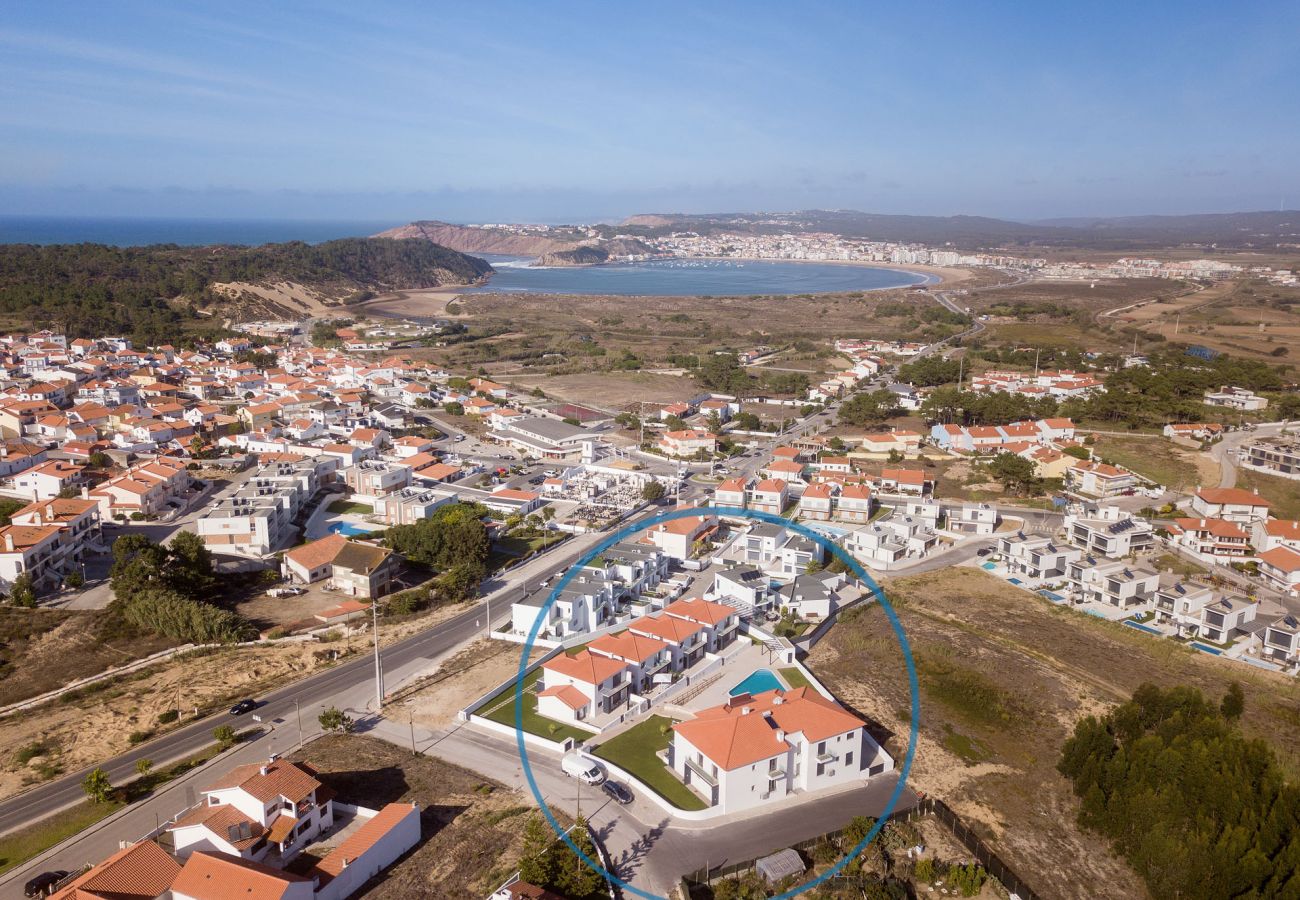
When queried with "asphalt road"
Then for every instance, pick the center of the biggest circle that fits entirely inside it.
(310, 693)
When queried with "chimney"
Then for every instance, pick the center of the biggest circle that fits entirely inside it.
(263, 771)
(744, 710)
(9, 542)
(780, 734)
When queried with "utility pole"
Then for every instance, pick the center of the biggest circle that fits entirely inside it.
(411, 718)
(379, 668)
(298, 709)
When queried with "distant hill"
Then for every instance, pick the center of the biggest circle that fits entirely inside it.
(469, 239)
(150, 292)
(596, 254)
(1232, 229)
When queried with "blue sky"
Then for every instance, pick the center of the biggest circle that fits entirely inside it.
(568, 112)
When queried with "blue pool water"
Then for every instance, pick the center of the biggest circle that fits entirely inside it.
(1054, 597)
(347, 529)
(1205, 649)
(1014, 581)
(1140, 627)
(989, 566)
(757, 682)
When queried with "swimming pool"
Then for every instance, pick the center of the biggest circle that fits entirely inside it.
(1205, 649)
(1014, 581)
(1051, 595)
(347, 529)
(1140, 627)
(989, 566)
(757, 682)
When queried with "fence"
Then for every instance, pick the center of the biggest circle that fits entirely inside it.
(926, 806)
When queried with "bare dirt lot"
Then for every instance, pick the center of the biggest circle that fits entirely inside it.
(1004, 677)
(1249, 319)
(611, 390)
(471, 673)
(564, 335)
(472, 828)
(97, 722)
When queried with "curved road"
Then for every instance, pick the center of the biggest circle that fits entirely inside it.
(310, 693)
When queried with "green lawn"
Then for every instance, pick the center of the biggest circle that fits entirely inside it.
(1283, 493)
(19, 846)
(795, 678)
(345, 507)
(634, 751)
(501, 708)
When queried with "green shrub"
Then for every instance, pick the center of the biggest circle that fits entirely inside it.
(168, 716)
(138, 737)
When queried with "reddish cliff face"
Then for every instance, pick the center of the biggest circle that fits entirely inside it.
(478, 240)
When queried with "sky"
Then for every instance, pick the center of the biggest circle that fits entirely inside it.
(577, 112)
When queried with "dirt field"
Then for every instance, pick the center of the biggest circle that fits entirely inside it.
(97, 722)
(1246, 319)
(1174, 465)
(572, 334)
(44, 649)
(472, 828)
(468, 675)
(610, 390)
(1004, 676)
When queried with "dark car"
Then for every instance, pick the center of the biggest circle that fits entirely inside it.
(617, 792)
(242, 707)
(43, 884)
(983, 551)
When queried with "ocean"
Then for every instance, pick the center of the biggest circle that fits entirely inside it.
(132, 232)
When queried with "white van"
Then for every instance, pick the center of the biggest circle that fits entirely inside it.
(576, 765)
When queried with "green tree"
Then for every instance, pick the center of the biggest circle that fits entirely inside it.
(143, 766)
(536, 865)
(224, 735)
(1233, 703)
(573, 876)
(453, 409)
(930, 371)
(97, 785)
(869, 409)
(189, 565)
(22, 593)
(334, 719)
(9, 506)
(1015, 473)
(653, 490)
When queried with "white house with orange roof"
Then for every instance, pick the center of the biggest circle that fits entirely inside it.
(910, 482)
(576, 688)
(1280, 567)
(1212, 539)
(1233, 504)
(770, 496)
(854, 503)
(263, 811)
(49, 479)
(1098, 479)
(687, 443)
(732, 492)
(818, 501)
(677, 538)
(721, 622)
(688, 640)
(755, 750)
(788, 470)
(1271, 533)
(648, 656)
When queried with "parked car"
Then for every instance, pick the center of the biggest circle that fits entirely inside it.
(43, 884)
(983, 551)
(246, 705)
(584, 768)
(617, 792)
(286, 592)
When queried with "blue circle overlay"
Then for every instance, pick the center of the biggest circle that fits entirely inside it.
(729, 512)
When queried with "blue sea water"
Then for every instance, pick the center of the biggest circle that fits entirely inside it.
(692, 278)
(132, 232)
